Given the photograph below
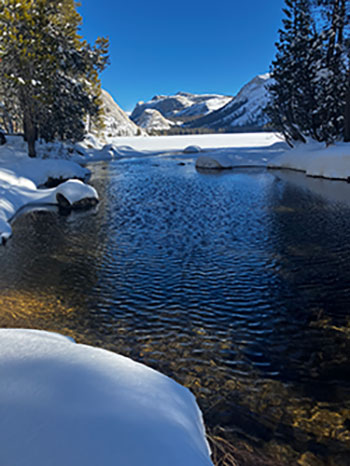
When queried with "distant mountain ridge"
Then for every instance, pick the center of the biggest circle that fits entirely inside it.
(181, 106)
(244, 112)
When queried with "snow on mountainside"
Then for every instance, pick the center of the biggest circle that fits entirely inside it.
(181, 105)
(245, 111)
(152, 120)
(116, 122)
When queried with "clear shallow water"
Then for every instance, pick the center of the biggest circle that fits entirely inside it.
(235, 284)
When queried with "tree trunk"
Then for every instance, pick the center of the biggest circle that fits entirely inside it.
(29, 133)
(347, 112)
(333, 35)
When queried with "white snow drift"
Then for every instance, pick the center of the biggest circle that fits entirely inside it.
(21, 176)
(317, 160)
(68, 404)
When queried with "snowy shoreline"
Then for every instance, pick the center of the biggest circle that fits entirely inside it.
(21, 177)
(316, 160)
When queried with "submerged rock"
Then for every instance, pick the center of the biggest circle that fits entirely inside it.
(2, 138)
(85, 203)
(209, 163)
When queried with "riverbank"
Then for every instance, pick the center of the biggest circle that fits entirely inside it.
(313, 158)
(22, 177)
(316, 160)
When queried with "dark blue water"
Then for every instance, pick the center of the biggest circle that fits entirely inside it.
(236, 284)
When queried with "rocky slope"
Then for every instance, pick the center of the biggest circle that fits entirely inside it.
(116, 122)
(152, 121)
(243, 112)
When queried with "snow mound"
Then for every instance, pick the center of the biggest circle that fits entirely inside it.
(316, 160)
(192, 150)
(66, 403)
(75, 191)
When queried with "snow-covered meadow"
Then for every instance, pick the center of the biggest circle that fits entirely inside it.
(66, 403)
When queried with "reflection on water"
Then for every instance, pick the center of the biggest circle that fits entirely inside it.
(237, 285)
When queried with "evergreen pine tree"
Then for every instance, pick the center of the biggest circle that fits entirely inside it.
(293, 106)
(333, 72)
(47, 71)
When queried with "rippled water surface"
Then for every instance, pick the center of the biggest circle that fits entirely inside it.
(236, 284)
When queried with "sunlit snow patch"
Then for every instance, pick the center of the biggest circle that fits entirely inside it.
(68, 404)
(317, 160)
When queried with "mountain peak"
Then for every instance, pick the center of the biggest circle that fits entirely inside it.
(210, 111)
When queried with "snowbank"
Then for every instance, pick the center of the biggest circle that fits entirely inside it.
(21, 176)
(66, 403)
(317, 160)
(240, 156)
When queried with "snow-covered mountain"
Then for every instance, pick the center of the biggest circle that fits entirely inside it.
(151, 120)
(116, 121)
(181, 106)
(207, 111)
(245, 111)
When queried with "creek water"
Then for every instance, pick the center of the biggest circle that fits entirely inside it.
(236, 284)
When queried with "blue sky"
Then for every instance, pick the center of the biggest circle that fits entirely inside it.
(160, 47)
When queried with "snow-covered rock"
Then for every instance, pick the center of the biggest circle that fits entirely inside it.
(210, 163)
(151, 120)
(192, 150)
(20, 177)
(181, 105)
(69, 404)
(74, 194)
(245, 111)
(317, 160)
